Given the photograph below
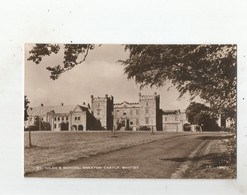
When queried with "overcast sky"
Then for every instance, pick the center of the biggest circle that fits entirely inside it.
(100, 74)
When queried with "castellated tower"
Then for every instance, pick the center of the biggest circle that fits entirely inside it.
(150, 111)
(102, 109)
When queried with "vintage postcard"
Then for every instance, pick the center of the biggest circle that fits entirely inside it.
(130, 111)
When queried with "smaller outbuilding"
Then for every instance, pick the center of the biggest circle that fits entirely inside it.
(173, 120)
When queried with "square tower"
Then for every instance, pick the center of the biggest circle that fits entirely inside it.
(150, 111)
(102, 110)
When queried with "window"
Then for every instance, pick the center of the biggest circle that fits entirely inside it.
(131, 123)
(124, 112)
(131, 112)
(55, 118)
(55, 126)
(76, 118)
(147, 110)
(79, 118)
(67, 118)
(58, 118)
(147, 120)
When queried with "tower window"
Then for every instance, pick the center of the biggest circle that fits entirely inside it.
(76, 118)
(147, 110)
(79, 118)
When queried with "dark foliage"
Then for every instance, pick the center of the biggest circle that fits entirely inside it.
(187, 127)
(41, 125)
(200, 114)
(26, 102)
(208, 71)
(144, 128)
(72, 54)
(64, 126)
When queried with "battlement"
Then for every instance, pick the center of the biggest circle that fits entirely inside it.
(148, 96)
(126, 103)
(101, 98)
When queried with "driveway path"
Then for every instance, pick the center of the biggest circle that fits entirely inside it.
(158, 159)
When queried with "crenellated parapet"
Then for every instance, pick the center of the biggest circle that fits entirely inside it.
(126, 104)
(106, 97)
(148, 97)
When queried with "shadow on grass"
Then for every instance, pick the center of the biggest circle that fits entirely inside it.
(215, 137)
(212, 160)
(34, 147)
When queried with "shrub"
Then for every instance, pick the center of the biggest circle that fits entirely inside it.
(144, 128)
(45, 126)
(187, 127)
(33, 128)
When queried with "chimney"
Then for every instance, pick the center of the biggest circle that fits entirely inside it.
(61, 104)
(41, 105)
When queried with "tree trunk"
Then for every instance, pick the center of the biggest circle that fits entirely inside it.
(113, 130)
(29, 139)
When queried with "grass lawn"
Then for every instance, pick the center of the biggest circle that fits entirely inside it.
(52, 148)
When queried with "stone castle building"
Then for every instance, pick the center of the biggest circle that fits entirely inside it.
(142, 115)
(173, 120)
(103, 114)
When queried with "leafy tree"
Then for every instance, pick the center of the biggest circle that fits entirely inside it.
(71, 54)
(200, 114)
(26, 102)
(41, 125)
(207, 71)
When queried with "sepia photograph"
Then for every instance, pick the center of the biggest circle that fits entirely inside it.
(130, 111)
